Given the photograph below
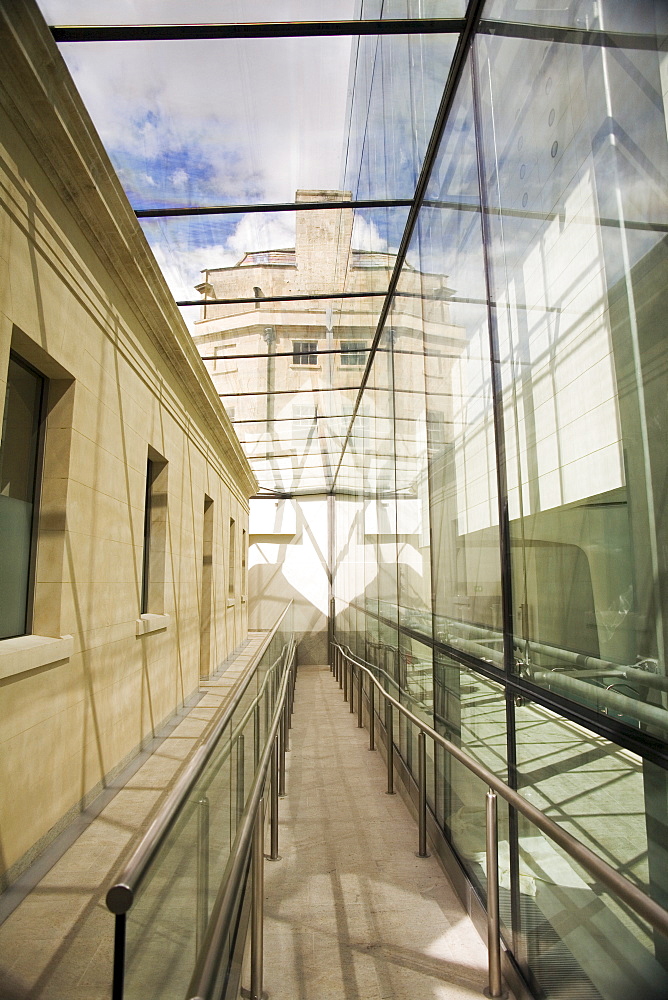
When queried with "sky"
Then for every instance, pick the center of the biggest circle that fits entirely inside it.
(208, 122)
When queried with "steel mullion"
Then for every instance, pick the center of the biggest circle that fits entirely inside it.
(283, 206)
(263, 29)
(456, 69)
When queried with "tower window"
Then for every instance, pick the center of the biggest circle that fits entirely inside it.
(353, 352)
(304, 352)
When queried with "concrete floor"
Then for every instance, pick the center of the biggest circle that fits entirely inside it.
(350, 911)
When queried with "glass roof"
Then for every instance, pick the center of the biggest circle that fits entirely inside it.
(206, 132)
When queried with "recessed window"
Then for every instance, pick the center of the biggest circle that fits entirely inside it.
(19, 482)
(155, 536)
(304, 352)
(232, 558)
(353, 352)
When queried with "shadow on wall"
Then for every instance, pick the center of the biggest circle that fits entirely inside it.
(269, 591)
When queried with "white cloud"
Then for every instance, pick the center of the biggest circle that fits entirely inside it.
(179, 178)
(366, 235)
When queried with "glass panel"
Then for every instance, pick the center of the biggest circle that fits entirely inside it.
(615, 804)
(398, 82)
(459, 425)
(572, 924)
(167, 921)
(241, 11)
(576, 162)
(262, 254)
(587, 15)
(206, 11)
(18, 476)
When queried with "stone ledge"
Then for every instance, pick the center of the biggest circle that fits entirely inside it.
(28, 652)
(151, 623)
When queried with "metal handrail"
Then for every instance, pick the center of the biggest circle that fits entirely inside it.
(250, 829)
(635, 898)
(121, 894)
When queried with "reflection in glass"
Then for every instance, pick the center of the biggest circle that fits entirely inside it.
(579, 281)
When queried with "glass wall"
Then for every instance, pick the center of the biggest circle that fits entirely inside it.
(501, 553)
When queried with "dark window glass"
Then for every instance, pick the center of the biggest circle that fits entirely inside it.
(353, 352)
(232, 553)
(18, 492)
(146, 564)
(304, 352)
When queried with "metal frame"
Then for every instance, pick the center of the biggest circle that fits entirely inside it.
(313, 297)
(642, 904)
(282, 206)
(266, 29)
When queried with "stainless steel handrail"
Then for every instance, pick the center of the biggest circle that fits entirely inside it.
(639, 901)
(249, 831)
(121, 894)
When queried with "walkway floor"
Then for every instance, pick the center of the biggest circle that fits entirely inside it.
(56, 934)
(351, 912)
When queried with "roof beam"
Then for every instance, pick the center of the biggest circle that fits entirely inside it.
(268, 29)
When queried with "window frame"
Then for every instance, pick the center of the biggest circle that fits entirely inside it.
(37, 476)
(298, 353)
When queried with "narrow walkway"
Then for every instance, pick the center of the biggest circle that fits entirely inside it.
(56, 941)
(351, 912)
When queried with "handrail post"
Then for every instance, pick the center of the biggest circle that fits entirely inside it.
(389, 730)
(495, 987)
(422, 795)
(281, 756)
(341, 669)
(351, 685)
(256, 733)
(274, 855)
(240, 776)
(372, 716)
(119, 957)
(345, 680)
(286, 719)
(202, 870)
(360, 680)
(257, 917)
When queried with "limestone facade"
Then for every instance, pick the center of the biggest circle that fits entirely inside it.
(83, 303)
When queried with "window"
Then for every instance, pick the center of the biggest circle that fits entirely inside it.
(304, 352)
(19, 487)
(232, 562)
(244, 577)
(155, 536)
(353, 352)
